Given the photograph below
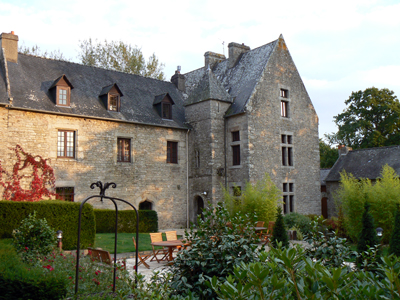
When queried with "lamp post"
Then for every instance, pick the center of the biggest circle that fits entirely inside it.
(379, 232)
(59, 239)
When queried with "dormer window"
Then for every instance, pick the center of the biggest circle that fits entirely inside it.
(61, 91)
(163, 104)
(111, 97)
(113, 102)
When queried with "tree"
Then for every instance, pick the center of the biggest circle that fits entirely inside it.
(116, 55)
(371, 119)
(260, 198)
(35, 50)
(394, 245)
(368, 236)
(280, 233)
(328, 155)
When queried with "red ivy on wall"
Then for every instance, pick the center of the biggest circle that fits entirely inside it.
(28, 170)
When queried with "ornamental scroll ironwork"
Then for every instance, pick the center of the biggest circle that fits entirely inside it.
(102, 197)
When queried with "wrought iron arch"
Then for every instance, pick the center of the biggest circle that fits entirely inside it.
(102, 196)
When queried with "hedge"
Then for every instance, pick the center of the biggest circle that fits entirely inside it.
(60, 215)
(19, 282)
(105, 221)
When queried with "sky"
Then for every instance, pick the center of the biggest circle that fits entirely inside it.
(337, 46)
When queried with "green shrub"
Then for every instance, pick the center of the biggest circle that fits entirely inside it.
(105, 221)
(261, 198)
(294, 219)
(215, 251)
(60, 215)
(383, 195)
(394, 245)
(34, 238)
(279, 234)
(19, 282)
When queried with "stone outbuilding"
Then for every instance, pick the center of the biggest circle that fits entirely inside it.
(169, 146)
(362, 163)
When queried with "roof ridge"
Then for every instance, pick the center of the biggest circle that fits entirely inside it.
(79, 64)
(373, 148)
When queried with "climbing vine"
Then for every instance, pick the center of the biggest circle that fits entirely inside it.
(28, 171)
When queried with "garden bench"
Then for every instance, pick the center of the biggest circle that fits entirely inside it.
(100, 255)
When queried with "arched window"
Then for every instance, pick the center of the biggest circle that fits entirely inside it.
(145, 205)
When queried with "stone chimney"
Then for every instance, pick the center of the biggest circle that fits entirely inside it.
(343, 150)
(179, 80)
(235, 50)
(212, 58)
(9, 42)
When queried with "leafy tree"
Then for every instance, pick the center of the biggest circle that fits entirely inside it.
(368, 236)
(260, 198)
(116, 55)
(280, 234)
(328, 155)
(371, 119)
(394, 245)
(35, 50)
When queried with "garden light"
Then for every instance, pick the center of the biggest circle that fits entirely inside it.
(379, 231)
(59, 239)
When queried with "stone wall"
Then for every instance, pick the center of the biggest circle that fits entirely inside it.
(266, 125)
(146, 177)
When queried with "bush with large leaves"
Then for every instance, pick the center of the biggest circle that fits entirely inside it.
(218, 245)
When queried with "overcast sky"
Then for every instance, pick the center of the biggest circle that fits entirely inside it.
(337, 46)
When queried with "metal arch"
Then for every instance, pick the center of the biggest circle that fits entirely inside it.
(113, 199)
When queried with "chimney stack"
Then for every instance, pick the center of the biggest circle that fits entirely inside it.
(9, 42)
(212, 58)
(179, 80)
(343, 150)
(235, 51)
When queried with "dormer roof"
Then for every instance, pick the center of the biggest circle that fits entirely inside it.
(61, 79)
(159, 98)
(108, 88)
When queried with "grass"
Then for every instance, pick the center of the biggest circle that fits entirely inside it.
(124, 242)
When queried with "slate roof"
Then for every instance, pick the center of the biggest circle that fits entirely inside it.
(366, 163)
(208, 88)
(323, 173)
(32, 77)
(239, 81)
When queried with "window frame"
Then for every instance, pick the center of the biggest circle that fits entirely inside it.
(236, 136)
(121, 150)
(65, 144)
(284, 109)
(164, 115)
(287, 150)
(235, 155)
(60, 88)
(288, 197)
(172, 152)
(118, 99)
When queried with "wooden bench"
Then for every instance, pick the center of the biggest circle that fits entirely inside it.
(101, 256)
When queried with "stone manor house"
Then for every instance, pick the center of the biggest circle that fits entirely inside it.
(169, 146)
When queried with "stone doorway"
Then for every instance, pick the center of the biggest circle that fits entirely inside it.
(199, 204)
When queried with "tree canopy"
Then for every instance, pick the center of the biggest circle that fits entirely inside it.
(35, 50)
(371, 119)
(116, 55)
(328, 154)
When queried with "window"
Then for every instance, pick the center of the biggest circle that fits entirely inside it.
(287, 150)
(124, 150)
(113, 102)
(172, 152)
(288, 197)
(236, 155)
(235, 136)
(66, 144)
(284, 109)
(284, 103)
(63, 96)
(145, 205)
(65, 193)
(166, 110)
